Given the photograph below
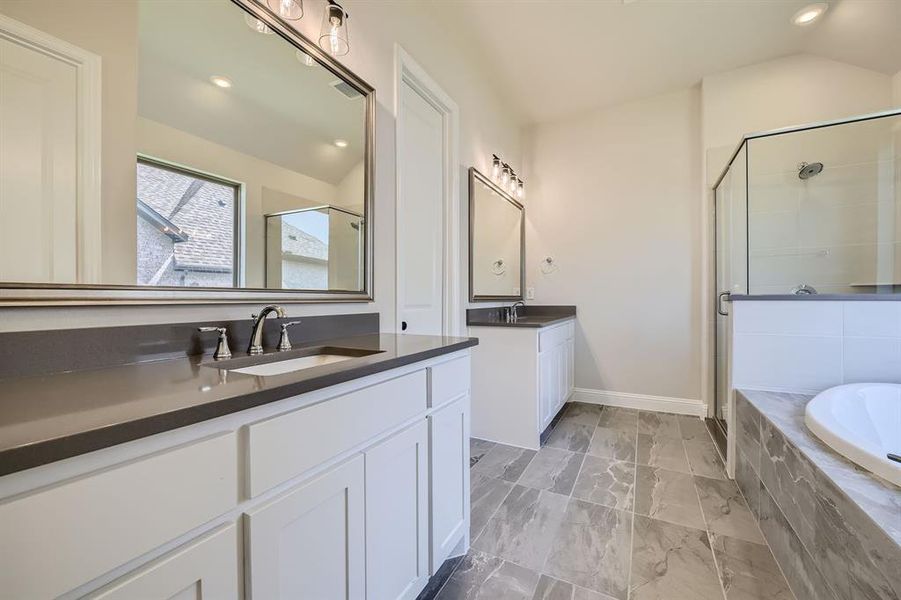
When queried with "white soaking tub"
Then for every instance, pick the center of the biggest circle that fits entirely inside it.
(861, 421)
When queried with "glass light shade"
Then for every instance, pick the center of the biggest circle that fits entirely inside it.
(495, 167)
(290, 10)
(520, 190)
(333, 36)
(256, 24)
(513, 179)
(505, 176)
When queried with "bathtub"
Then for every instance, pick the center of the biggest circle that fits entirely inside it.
(861, 421)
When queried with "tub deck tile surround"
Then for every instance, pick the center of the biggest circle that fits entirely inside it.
(624, 530)
(834, 528)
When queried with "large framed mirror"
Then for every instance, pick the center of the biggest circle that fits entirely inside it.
(156, 150)
(497, 243)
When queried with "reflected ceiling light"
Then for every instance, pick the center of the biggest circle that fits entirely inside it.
(809, 14)
(256, 24)
(305, 58)
(220, 81)
(341, 143)
(290, 10)
(333, 36)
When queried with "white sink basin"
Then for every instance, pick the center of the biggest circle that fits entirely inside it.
(294, 364)
(861, 421)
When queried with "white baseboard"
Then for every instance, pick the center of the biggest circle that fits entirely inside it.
(680, 406)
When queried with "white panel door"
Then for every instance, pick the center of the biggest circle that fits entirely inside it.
(397, 519)
(420, 214)
(38, 166)
(206, 569)
(310, 542)
(450, 478)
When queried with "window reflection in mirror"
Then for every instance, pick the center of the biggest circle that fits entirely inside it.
(198, 123)
(496, 241)
(317, 248)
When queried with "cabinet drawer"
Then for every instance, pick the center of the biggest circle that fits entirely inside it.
(65, 536)
(554, 336)
(449, 380)
(287, 445)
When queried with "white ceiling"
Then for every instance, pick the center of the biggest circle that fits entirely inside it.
(558, 57)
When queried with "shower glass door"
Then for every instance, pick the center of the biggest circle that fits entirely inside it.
(731, 234)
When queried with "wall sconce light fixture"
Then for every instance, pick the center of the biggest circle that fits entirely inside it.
(333, 36)
(504, 176)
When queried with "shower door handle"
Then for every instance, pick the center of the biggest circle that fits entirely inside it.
(719, 302)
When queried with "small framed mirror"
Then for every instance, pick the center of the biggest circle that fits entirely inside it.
(497, 242)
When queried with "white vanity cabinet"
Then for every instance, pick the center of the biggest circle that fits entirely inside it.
(309, 542)
(556, 353)
(359, 490)
(521, 378)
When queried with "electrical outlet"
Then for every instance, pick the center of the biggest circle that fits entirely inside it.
(530, 293)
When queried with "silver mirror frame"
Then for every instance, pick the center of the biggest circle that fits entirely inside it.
(56, 294)
(476, 176)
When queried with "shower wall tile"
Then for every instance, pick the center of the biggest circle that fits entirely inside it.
(809, 346)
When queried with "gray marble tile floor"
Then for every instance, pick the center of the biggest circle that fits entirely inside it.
(618, 505)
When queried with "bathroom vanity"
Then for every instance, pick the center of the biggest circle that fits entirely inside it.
(523, 372)
(187, 476)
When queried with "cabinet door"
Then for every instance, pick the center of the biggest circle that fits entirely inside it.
(570, 348)
(449, 463)
(310, 542)
(546, 388)
(397, 535)
(205, 569)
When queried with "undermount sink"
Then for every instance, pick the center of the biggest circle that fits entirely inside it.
(299, 360)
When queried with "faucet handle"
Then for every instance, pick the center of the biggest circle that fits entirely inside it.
(222, 350)
(283, 342)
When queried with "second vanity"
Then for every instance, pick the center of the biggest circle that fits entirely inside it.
(523, 373)
(180, 477)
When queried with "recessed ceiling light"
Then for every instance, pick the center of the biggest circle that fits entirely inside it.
(341, 143)
(809, 14)
(223, 82)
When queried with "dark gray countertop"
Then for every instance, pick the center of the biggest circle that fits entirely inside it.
(878, 499)
(530, 316)
(45, 418)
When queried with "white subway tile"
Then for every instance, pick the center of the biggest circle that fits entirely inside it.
(810, 317)
(872, 360)
(787, 362)
(874, 319)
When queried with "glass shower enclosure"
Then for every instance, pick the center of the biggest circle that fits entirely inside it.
(807, 210)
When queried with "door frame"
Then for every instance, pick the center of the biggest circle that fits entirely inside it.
(88, 146)
(408, 71)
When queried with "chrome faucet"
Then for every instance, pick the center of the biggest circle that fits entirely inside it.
(256, 336)
(513, 310)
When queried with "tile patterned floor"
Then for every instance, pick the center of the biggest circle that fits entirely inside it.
(618, 504)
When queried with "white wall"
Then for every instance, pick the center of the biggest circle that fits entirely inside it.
(486, 125)
(783, 92)
(810, 346)
(612, 198)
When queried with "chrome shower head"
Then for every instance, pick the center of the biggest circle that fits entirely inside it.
(806, 171)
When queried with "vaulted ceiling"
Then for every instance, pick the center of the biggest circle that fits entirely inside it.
(559, 57)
